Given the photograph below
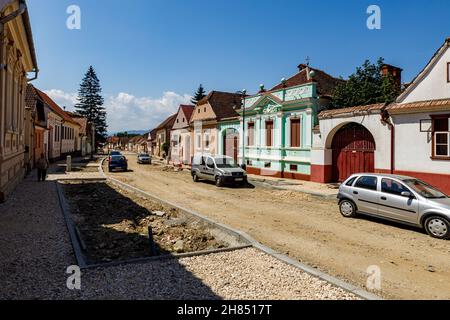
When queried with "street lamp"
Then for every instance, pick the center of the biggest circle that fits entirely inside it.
(243, 94)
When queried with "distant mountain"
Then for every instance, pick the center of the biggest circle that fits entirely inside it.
(131, 132)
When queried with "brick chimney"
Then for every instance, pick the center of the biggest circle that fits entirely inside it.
(395, 72)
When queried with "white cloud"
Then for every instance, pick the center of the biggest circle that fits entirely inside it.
(128, 112)
(63, 99)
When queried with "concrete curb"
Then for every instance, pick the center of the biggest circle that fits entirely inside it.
(81, 261)
(247, 238)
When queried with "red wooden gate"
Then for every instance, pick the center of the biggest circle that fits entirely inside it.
(353, 151)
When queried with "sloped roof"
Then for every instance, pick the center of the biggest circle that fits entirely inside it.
(420, 106)
(351, 110)
(223, 103)
(55, 108)
(422, 74)
(187, 110)
(30, 97)
(168, 123)
(83, 122)
(325, 82)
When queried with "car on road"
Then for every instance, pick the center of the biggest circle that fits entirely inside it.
(219, 169)
(115, 153)
(117, 162)
(143, 158)
(397, 198)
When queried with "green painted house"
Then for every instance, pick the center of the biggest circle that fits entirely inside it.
(279, 124)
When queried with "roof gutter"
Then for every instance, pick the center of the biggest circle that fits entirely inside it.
(23, 10)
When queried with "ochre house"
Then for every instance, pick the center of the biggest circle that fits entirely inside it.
(17, 58)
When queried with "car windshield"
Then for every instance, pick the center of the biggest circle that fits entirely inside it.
(425, 190)
(115, 153)
(224, 163)
(117, 157)
(144, 155)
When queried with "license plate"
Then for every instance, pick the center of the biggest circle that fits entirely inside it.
(239, 179)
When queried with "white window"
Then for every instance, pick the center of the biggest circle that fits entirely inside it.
(442, 146)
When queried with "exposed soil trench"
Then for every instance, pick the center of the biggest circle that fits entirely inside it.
(114, 224)
(311, 230)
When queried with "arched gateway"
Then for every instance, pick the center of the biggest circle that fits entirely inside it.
(353, 151)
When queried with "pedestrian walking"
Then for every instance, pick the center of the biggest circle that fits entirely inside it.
(42, 167)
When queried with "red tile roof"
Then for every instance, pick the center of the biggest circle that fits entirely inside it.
(351, 110)
(55, 108)
(420, 106)
(187, 110)
(325, 82)
(223, 103)
(168, 123)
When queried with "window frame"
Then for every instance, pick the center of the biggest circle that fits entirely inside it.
(406, 189)
(251, 142)
(298, 133)
(271, 133)
(434, 134)
(448, 72)
(362, 177)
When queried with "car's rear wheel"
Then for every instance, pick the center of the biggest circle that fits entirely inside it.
(219, 181)
(195, 177)
(347, 208)
(437, 227)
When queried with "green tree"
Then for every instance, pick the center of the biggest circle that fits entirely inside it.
(90, 104)
(199, 95)
(366, 86)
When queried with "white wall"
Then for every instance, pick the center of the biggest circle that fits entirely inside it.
(434, 85)
(413, 148)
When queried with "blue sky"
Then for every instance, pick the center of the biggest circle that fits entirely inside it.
(150, 55)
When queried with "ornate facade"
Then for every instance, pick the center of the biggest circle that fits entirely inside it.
(17, 57)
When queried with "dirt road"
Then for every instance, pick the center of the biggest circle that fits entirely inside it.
(413, 265)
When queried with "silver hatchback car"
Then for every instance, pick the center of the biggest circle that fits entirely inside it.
(398, 198)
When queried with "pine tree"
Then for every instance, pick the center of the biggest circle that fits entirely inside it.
(90, 104)
(199, 95)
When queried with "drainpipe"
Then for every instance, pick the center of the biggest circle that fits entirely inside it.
(385, 118)
(392, 127)
(22, 9)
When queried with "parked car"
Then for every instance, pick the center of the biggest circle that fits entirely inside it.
(117, 162)
(220, 169)
(144, 158)
(398, 198)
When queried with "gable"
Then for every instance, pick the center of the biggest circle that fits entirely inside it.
(203, 112)
(181, 121)
(433, 83)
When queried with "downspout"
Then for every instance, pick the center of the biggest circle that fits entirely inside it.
(385, 118)
(22, 10)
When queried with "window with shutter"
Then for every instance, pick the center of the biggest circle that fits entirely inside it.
(251, 134)
(295, 133)
(269, 133)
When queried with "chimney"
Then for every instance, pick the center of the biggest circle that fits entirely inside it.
(395, 72)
